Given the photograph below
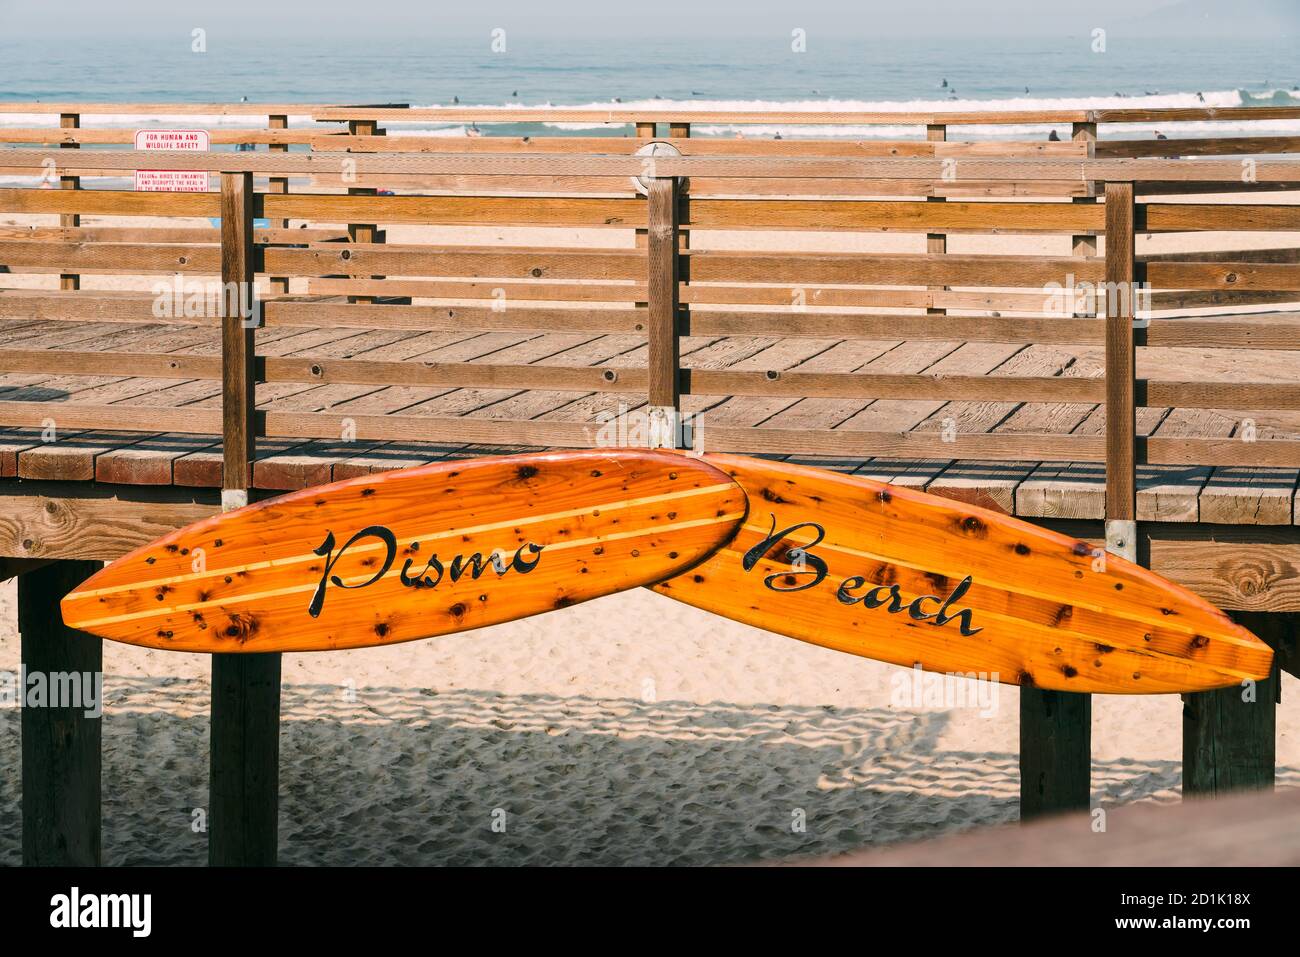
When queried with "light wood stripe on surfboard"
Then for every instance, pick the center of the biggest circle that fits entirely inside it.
(429, 537)
(247, 597)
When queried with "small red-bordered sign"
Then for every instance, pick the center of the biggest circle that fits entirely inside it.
(171, 180)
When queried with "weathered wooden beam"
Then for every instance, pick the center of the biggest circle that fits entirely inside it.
(1230, 735)
(60, 738)
(61, 520)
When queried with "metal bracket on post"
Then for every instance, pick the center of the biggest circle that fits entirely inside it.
(1121, 538)
(665, 427)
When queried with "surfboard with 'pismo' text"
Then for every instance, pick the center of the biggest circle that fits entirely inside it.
(412, 554)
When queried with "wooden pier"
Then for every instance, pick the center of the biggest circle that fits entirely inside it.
(1100, 334)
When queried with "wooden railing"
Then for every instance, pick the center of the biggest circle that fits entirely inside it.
(664, 291)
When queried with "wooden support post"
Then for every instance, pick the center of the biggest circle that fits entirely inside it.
(363, 232)
(1056, 727)
(646, 131)
(936, 242)
(1230, 735)
(243, 788)
(60, 745)
(279, 285)
(1055, 752)
(1086, 245)
(662, 310)
(681, 131)
(69, 121)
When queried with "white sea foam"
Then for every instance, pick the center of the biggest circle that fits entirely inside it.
(1217, 98)
(1221, 98)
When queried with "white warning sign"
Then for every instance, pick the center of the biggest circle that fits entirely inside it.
(171, 180)
(192, 140)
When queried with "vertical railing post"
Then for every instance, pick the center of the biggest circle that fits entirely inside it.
(60, 745)
(279, 285)
(243, 786)
(238, 321)
(662, 294)
(646, 131)
(363, 232)
(679, 131)
(936, 243)
(1086, 245)
(1121, 372)
(69, 121)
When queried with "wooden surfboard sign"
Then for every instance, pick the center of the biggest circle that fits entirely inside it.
(915, 579)
(414, 553)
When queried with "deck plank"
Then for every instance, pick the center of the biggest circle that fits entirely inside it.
(991, 484)
(1217, 495)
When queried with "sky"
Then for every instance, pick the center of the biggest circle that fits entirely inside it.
(577, 17)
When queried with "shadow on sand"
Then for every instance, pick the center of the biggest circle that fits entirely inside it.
(407, 776)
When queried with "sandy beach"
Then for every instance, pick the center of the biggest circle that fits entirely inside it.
(629, 730)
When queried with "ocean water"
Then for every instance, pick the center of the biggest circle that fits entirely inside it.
(705, 72)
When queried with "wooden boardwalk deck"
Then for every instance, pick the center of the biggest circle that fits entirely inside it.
(1055, 490)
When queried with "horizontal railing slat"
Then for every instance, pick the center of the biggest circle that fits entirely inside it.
(895, 216)
(893, 269)
(70, 162)
(1229, 275)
